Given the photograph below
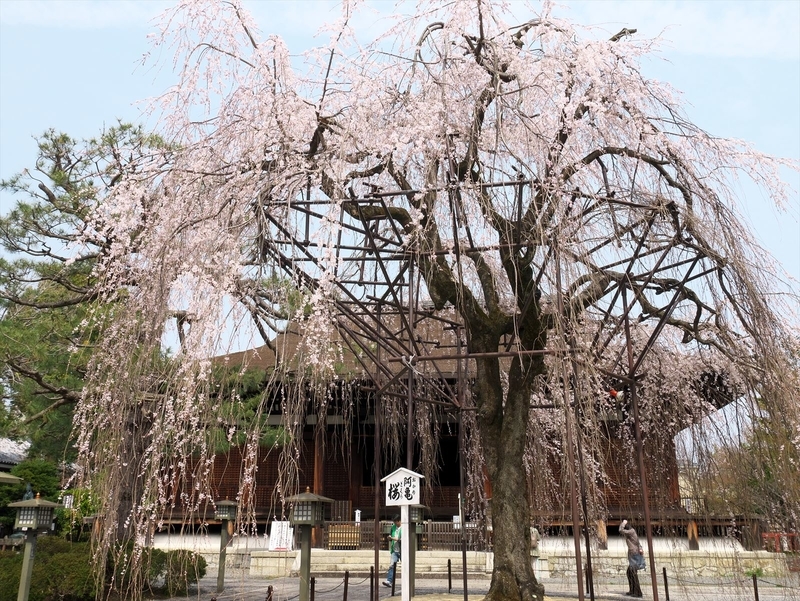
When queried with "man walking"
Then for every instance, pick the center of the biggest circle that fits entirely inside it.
(635, 559)
(394, 550)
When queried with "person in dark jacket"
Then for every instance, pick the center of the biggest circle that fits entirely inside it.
(635, 559)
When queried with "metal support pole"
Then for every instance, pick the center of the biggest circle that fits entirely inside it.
(411, 561)
(461, 478)
(376, 472)
(666, 585)
(375, 570)
(313, 584)
(589, 568)
(755, 587)
(640, 450)
(305, 561)
(573, 502)
(27, 566)
(347, 581)
(223, 550)
(449, 575)
(410, 425)
(409, 529)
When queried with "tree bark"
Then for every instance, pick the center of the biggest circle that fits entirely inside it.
(502, 421)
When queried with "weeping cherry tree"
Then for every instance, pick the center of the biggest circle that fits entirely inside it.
(527, 176)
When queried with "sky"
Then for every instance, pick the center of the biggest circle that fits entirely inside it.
(76, 66)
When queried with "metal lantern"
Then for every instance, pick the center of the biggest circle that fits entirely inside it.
(226, 510)
(415, 513)
(34, 514)
(308, 509)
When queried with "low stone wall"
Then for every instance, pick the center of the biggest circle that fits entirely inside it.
(270, 564)
(557, 564)
(233, 559)
(274, 564)
(692, 564)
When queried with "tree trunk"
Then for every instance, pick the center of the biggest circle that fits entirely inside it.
(129, 480)
(503, 426)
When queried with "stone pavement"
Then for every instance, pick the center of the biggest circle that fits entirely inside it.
(240, 587)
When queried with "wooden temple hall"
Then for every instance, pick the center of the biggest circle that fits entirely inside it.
(339, 460)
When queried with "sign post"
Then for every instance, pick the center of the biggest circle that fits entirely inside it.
(403, 490)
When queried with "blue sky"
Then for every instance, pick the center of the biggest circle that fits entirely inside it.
(76, 66)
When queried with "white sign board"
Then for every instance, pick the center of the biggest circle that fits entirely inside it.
(281, 537)
(402, 487)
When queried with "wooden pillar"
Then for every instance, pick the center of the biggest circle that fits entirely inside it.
(691, 531)
(356, 472)
(319, 478)
(602, 535)
(487, 484)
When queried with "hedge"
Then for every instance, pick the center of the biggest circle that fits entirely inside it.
(62, 571)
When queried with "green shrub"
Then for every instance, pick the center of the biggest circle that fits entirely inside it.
(120, 576)
(170, 572)
(62, 571)
(10, 568)
(69, 577)
(155, 564)
(183, 568)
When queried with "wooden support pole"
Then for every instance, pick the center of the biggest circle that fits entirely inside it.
(319, 476)
(602, 535)
(691, 531)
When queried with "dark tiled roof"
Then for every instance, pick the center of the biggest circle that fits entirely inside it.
(12, 452)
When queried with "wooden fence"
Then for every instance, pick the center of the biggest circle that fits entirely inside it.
(433, 536)
(11, 543)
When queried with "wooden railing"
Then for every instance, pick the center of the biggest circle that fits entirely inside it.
(353, 535)
(8, 542)
(440, 536)
(779, 542)
(446, 536)
(694, 505)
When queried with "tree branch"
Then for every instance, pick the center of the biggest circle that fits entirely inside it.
(67, 395)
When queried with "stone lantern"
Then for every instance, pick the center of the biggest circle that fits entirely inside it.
(308, 511)
(225, 513)
(33, 516)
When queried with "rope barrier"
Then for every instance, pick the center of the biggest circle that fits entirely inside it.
(331, 589)
(775, 584)
(716, 582)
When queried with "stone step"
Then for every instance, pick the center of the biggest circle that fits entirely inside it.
(433, 563)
